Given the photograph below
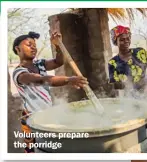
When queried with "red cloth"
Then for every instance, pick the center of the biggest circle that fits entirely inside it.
(117, 31)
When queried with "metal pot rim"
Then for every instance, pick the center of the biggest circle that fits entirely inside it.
(116, 129)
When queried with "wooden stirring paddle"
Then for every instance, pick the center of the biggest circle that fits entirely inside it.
(90, 94)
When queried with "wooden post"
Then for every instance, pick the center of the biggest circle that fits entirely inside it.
(69, 25)
(86, 37)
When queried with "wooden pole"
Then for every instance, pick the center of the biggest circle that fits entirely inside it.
(90, 94)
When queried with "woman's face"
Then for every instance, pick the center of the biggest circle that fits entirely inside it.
(27, 49)
(124, 41)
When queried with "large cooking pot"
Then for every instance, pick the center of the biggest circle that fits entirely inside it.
(121, 127)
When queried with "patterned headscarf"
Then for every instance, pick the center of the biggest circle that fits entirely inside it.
(117, 31)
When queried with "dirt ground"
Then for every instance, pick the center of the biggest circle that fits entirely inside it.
(14, 103)
(13, 123)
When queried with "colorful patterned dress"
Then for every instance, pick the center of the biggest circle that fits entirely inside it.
(134, 70)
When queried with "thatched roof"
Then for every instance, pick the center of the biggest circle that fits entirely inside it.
(125, 13)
